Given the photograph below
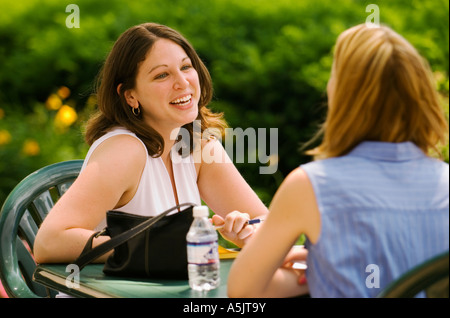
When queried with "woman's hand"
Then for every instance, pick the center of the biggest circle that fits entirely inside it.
(297, 255)
(234, 227)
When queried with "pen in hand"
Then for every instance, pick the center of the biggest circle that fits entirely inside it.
(249, 222)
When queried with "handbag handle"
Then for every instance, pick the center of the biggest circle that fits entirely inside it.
(89, 254)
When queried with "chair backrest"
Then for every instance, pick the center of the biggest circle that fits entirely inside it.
(20, 217)
(431, 276)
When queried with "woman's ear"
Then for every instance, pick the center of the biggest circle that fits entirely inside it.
(128, 95)
(118, 89)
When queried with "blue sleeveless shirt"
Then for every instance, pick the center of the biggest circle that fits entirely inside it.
(384, 208)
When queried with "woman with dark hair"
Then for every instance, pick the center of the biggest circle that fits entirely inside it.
(153, 87)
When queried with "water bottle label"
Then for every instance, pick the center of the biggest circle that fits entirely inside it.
(203, 253)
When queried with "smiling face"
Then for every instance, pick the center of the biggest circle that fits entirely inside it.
(167, 88)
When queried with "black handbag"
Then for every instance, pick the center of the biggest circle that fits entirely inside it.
(153, 247)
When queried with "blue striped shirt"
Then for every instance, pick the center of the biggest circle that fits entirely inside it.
(384, 208)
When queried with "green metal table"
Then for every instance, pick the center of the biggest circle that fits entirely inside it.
(92, 282)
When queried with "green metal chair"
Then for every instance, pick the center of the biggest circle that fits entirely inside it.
(431, 276)
(20, 217)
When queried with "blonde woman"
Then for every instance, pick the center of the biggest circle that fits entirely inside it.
(373, 204)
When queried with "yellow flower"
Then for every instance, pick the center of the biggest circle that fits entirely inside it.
(31, 147)
(53, 102)
(64, 92)
(5, 137)
(66, 116)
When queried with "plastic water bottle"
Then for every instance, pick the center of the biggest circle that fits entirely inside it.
(202, 251)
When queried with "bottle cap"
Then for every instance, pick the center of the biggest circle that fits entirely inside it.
(200, 211)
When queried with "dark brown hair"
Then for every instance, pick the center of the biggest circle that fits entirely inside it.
(121, 67)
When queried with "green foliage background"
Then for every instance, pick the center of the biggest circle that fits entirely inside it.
(269, 60)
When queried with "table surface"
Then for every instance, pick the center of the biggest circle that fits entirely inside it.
(94, 283)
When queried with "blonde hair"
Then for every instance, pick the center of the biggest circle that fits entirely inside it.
(382, 91)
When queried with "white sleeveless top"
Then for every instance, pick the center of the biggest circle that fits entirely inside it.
(155, 194)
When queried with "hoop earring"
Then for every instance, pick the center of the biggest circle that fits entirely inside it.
(136, 111)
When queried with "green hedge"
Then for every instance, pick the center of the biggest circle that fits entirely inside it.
(269, 61)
